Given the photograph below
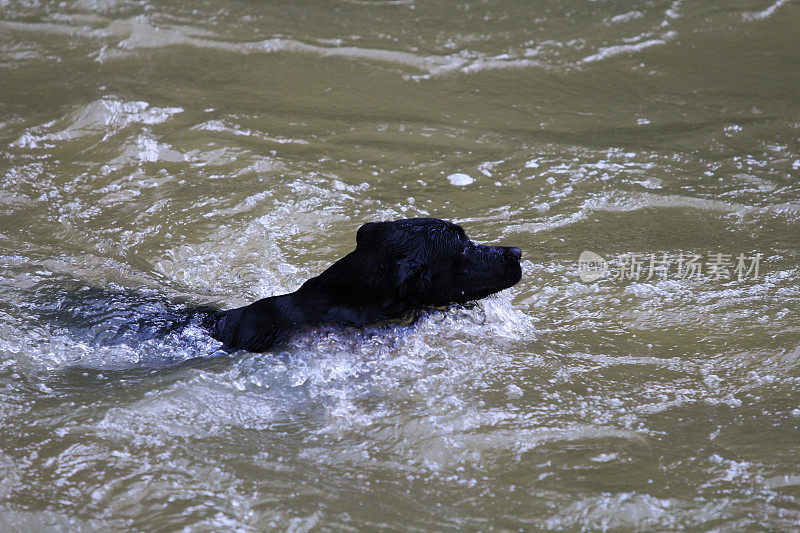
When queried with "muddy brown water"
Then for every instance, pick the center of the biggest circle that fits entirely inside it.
(219, 152)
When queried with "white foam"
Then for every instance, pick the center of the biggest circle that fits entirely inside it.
(459, 179)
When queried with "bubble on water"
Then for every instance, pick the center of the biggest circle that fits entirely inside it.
(514, 392)
(460, 179)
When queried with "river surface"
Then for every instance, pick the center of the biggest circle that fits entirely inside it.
(155, 155)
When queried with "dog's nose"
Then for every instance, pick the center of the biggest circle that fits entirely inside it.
(516, 252)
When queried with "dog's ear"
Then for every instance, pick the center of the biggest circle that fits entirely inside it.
(401, 256)
(368, 234)
(412, 276)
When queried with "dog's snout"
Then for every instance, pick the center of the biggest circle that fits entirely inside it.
(516, 252)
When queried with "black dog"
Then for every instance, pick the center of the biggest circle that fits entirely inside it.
(396, 267)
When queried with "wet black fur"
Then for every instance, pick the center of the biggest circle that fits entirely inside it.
(397, 267)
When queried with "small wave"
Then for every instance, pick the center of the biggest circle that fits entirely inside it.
(621, 511)
(235, 129)
(765, 13)
(104, 117)
(626, 17)
(380, 2)
(138, 33)
(611, 51)
(636, 202)
(52, 28)
(16, 520)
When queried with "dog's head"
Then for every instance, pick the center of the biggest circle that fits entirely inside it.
(402, 265)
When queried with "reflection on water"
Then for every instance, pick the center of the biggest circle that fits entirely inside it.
(160, 157)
